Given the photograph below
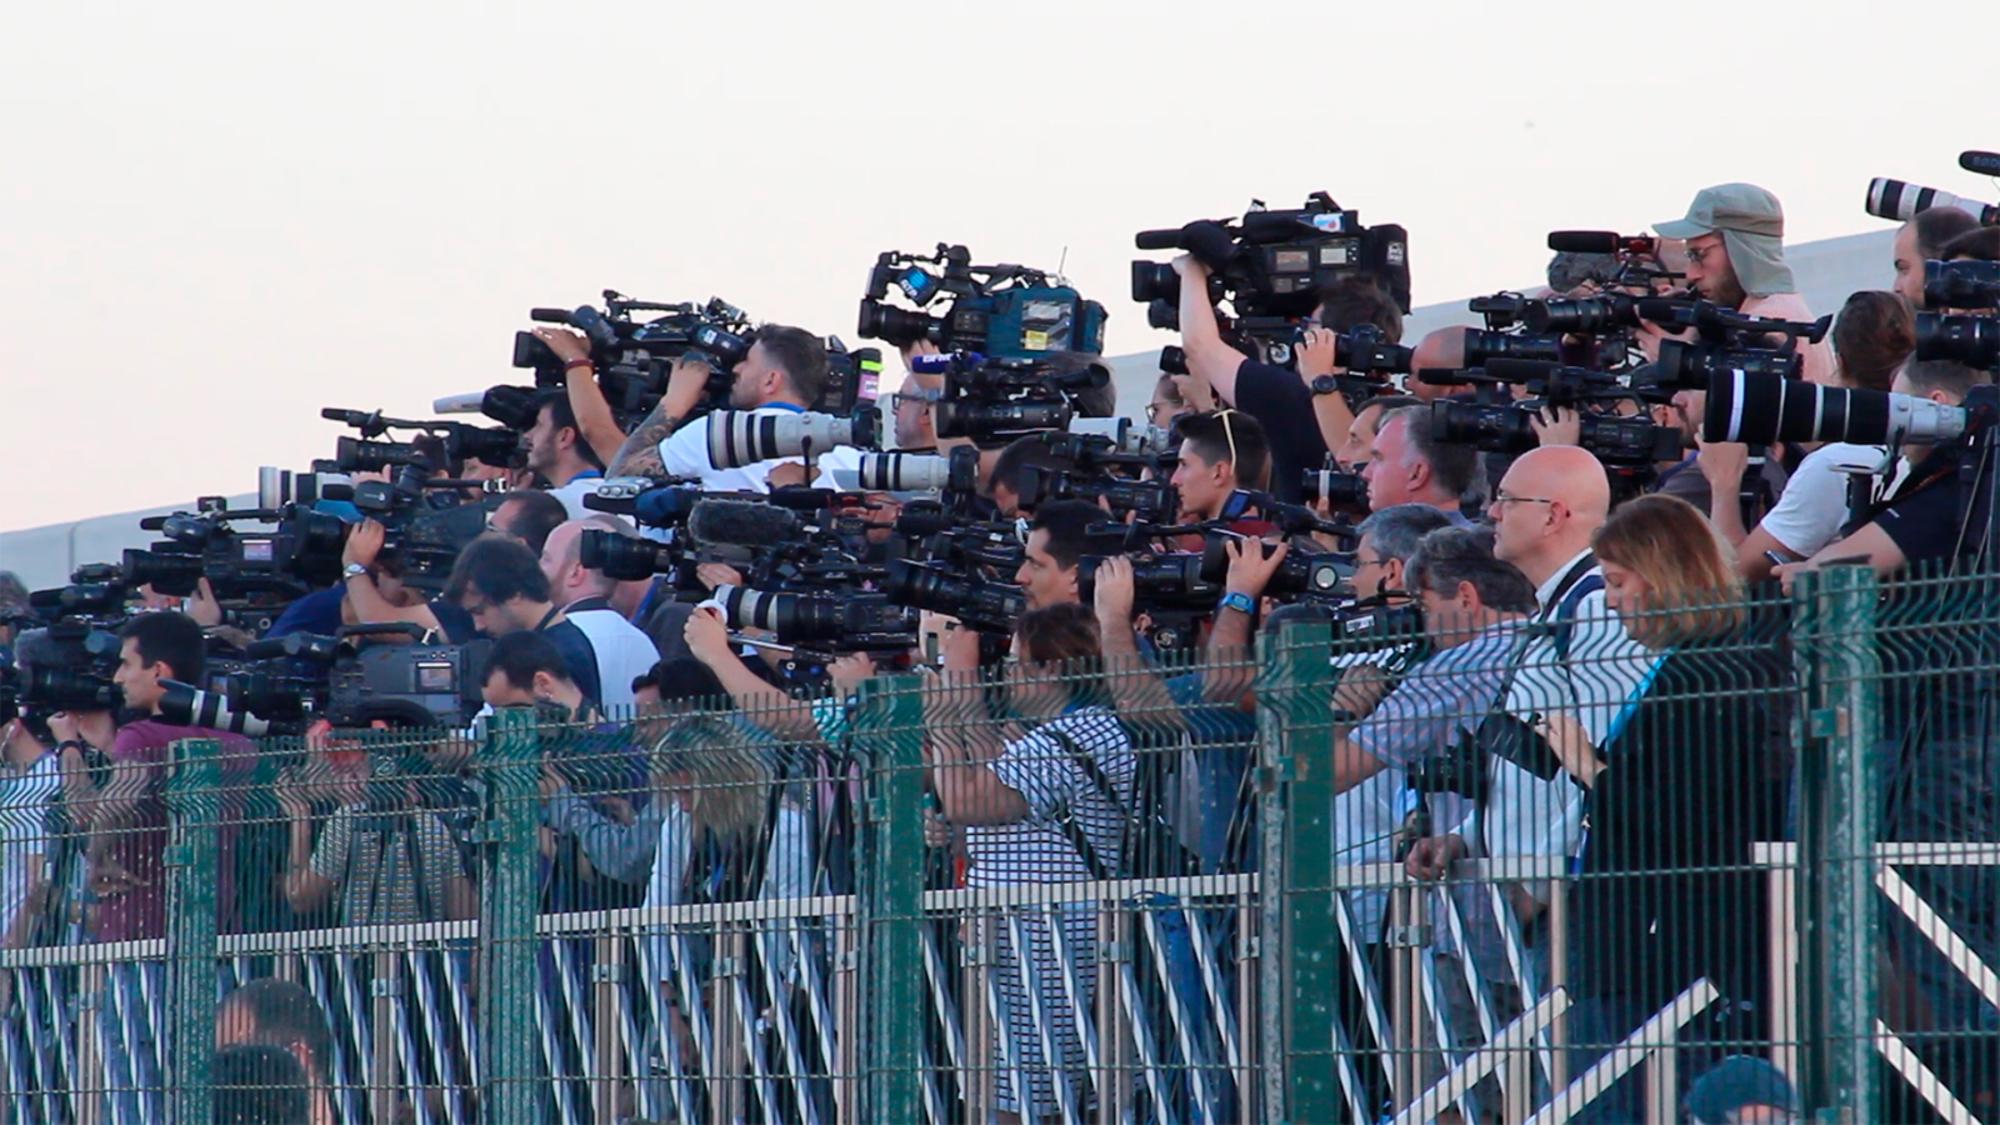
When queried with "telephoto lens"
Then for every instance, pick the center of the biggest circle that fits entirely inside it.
(1762, 408)
(981, 420)
(920, 472)
(625, 558)
(899, 327)
(1586, 315)
(744, 437)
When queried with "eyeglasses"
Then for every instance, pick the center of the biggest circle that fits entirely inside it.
(1154, 410)
(899, 399)
(1699, 255)
(1500, 498)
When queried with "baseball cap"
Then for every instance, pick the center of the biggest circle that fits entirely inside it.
(1739, 1082)
(1743, 208)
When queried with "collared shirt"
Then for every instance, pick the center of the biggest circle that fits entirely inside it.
(581, 485)
(1441, 699)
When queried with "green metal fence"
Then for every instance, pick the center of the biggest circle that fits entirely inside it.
(1108, 892)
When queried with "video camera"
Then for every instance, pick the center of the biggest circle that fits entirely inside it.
(353, 679)
(442, 444)
(994, 399)
(1971, 340)
(1271, 267)
(1004, 311)
(66, 666)
(1726, 340)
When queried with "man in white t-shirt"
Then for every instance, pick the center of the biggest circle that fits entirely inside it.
(557, 453)
(784, 371)
(623, 652)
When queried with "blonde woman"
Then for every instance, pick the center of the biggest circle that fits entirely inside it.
(1680, 789)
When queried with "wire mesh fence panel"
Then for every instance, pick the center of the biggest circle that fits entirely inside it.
(1517, 858)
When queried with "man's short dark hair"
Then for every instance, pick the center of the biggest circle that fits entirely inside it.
(1455, 467)
(172, 637)
(539, 513)
(499, 570)
(1229, 435)
(1982, 244)
(562, 415)
(800, 355)
(518, 656)
(1386, 403)
(1948, 375)
(1023, 453)
(686, 680)
(1938, 226)
(283, 1014)
(1359, 298)
(256, 1085)
(1068, 523)
(1453, 555)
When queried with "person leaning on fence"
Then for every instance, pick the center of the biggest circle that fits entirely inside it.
(726, 835)
(1676, 793)
(390, 861)
(1047, 805)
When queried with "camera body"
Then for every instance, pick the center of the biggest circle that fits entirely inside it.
(1005, 311)
(994, 399)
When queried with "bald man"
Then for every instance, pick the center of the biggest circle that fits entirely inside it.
(1579, 660)
(1443, 349)
(623, 651)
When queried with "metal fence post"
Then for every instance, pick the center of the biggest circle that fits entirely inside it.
(194, 811)
(889, 898)
(508, 892)
(1298, 967)
(1840, 669)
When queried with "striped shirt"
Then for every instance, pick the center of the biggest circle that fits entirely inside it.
(1044, 772)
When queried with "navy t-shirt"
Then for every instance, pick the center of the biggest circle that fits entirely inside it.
(578, 657)
(1284, 407)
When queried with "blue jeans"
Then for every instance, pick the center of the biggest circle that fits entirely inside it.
(134, 1087)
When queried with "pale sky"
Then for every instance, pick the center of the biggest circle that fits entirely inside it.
(217, 218)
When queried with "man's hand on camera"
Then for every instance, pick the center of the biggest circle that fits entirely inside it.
(1722, 462)
(1114, 594)
(65, 728)
(204, 608)
(1432, 856)
(364, 543)
(568, 346)
(713, 574)
(1250, 566)
(1557, 425)
(1315, 353)
(686, 383)
(1195, 391)
(706, 635)
(1360, 690)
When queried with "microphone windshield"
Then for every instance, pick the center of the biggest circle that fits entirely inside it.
(1980, 163)
(741, 523)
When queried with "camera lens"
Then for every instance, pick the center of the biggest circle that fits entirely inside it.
(1494, 429)
(1481, 345)
(978, 420)
(617, 556)
(1153, 281)
(1588, 315)
(742, 437)
(1763, 408)
(1971, 340)
(1343, 491)
(1961, 285)
(897, 326)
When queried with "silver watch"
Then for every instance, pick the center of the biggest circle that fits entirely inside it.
(352, 570)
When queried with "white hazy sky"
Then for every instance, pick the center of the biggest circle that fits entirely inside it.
(216, 218)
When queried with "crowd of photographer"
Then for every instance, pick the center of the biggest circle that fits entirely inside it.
(1541, 543)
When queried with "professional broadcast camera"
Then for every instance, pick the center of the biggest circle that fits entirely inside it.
(1628, 446)
(441, 444)
(993, 400)
(1971, 340)
(66, 666)
(1005, 311)
(823, 624)
(282, 686)
(633, 357)
(1271, 266)
(1725, 340)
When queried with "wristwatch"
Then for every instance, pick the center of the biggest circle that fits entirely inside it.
(1240, 602)
(352, 570)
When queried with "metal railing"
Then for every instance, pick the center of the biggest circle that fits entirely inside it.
(852, 955)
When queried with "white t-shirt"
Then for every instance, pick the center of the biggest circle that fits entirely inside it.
(24, 832)
(1808, 515)
(684, 456)
(624, 652)
(572, 495)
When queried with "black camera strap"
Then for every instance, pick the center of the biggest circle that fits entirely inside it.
(1136, 824)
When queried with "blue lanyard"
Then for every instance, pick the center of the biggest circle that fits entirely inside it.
(1632, 701)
